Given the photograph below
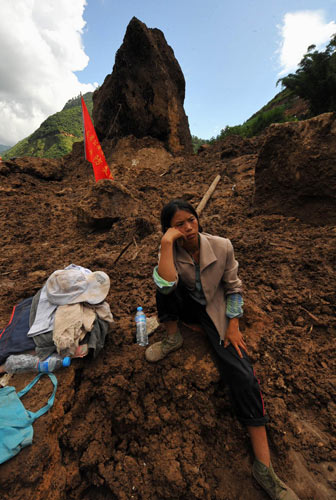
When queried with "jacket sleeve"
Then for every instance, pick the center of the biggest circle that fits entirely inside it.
(232, 283)
(163, 286)
(234, 305)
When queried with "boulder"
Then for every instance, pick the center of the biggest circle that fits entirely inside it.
(110, 205)
(145, 93)
(203, 147)
(235, 145)
(106, 203)
(296, 170)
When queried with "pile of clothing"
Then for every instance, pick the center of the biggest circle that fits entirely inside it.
(68, 314)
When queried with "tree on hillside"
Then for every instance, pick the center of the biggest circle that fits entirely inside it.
(197, 142)
(315, 79)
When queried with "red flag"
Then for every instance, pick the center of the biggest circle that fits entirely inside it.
(93, 150)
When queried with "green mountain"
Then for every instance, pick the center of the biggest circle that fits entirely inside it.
(56, 135)
(308, 92)
(284, 107)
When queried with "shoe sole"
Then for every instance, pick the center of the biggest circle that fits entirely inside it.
(160, 359)
(261, 485)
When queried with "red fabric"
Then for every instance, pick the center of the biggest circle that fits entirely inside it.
(93, 150)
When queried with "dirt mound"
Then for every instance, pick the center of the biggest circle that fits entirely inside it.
(47, 169)
(123, 429)
(236, 145)
(145, 93)
(106, 203)
(296, 170)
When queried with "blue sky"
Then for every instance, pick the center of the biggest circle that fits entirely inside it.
(231, 53)
(228, 51)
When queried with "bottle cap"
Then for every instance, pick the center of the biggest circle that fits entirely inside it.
(66, 361)
(139, 308)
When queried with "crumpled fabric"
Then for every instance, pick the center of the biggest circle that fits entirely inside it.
(74, 321)
(94, 340)
(44, 316)
(102, 310)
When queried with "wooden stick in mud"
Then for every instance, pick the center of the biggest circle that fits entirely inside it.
(312, 316)
(207, 195)
(122, 252)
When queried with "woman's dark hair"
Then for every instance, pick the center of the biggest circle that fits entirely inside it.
(170, 210)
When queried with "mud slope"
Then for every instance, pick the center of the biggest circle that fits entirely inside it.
(123, 429)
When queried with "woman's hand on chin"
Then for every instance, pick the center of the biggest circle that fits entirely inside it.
(171, 235)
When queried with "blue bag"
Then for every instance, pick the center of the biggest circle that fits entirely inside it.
(16, 423)
(13, 338)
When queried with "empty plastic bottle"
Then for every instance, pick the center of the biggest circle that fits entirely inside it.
(141, 327)
(19, 363)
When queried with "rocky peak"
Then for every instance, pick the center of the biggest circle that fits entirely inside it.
(145, 93)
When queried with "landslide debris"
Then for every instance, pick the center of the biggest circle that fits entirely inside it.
(121, 428)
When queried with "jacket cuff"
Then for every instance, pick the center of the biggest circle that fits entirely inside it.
(234, 305)
(164, 286)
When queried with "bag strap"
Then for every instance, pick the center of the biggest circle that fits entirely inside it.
(44, 409)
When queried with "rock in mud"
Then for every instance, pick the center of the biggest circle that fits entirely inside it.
(106, 203)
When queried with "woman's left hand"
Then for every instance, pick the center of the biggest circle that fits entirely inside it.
(233, 336)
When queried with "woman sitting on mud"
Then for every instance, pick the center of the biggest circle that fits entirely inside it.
(197, 282)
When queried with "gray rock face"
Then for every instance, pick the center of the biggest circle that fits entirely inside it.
(145, 93)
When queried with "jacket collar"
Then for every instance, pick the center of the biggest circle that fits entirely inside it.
(207, 255)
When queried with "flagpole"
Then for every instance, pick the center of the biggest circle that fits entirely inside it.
(81, 97)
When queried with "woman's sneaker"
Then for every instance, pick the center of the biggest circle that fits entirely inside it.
(159, 350)
(270, 482)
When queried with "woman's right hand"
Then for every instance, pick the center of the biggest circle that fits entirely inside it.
(172, 234)
(166, 266)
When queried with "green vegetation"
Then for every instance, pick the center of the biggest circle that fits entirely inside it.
(256, 124)
(57, 134)
(197, 142)
(315, 80)
(76, 101)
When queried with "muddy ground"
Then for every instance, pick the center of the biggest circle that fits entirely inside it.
(123, 429)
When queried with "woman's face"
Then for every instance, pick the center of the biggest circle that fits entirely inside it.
(187, 224)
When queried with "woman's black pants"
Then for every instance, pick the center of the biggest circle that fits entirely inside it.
(237, 372)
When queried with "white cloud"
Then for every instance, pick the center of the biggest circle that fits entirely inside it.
(300, 30)
(40, 48)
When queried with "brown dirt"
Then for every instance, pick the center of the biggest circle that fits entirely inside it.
(123, 429)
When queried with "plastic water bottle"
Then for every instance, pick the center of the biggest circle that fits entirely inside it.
(53, 362)
(141, 328)
(19, 363)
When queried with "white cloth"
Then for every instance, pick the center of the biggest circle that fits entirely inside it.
(45, 315)
(45, 312)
